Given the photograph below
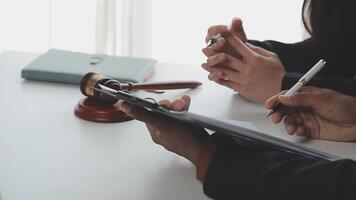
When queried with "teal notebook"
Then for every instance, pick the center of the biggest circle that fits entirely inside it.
(68, 67)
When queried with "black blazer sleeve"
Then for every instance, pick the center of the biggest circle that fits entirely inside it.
(298, 58)
(344, 85)
(241, 172)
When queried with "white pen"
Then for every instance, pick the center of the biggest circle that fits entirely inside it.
(302, 81)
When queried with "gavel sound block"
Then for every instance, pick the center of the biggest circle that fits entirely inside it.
(102, 108)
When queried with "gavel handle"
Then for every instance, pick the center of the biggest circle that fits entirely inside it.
(161, 85)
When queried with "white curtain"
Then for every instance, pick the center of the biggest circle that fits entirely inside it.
(123, 27)
(105, 27)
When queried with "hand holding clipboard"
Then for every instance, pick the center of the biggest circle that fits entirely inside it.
(199, 122)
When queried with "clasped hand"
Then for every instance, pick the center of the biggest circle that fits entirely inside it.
(254, 72)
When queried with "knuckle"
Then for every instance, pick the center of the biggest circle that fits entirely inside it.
(216, 28)
(254, 62)
(223, 28)
(209, 60)
(211, 29)
(228, 84)
(222, 57)
(133, 113)
(156, 138)
(258, 59)
(274, 55)
(210, 77)
(205, 51)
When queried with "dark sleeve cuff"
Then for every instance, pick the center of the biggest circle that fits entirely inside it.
(296, 57)
(290, 79)
(232, 175)
(343, 85)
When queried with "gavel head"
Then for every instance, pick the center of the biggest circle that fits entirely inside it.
(92, 80)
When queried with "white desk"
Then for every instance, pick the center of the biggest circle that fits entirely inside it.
(46, 153)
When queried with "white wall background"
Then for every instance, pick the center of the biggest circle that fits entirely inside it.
(36, 25)
(179, 27)
(24, 25)
(171, 30)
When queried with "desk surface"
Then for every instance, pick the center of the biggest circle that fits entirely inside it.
(48, 153)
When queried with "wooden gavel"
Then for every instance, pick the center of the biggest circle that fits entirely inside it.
(92, 80)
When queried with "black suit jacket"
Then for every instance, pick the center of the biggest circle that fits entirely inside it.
(298, 58)
(248, 172)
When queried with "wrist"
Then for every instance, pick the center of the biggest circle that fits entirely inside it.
(192, 153)
(204, 157)
(197, 142)
(281, 76)
(273, 88)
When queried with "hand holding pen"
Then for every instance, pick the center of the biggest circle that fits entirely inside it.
(302, 81)
(317, 113)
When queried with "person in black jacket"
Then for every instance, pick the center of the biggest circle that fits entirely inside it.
(332, 26)
(231, 170)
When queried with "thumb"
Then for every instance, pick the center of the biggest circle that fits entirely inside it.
(305, 99)
(237, 29)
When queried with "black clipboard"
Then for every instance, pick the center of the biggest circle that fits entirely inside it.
(219, 126)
